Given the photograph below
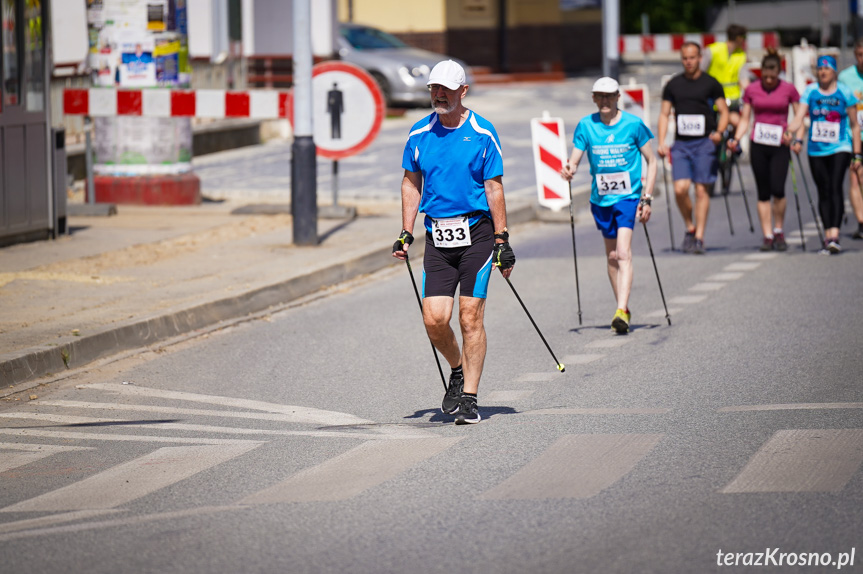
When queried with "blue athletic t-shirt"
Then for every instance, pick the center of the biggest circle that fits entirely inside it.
(852, 78)
(830, 108)
(613, 150)
(455, 162)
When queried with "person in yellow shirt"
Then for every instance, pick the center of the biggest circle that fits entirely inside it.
(726, 61)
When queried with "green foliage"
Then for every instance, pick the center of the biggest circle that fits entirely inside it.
(667, 16)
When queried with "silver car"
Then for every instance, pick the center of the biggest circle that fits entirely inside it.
(400, 70)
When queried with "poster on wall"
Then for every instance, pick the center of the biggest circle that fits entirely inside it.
(167, 56)
(138, 67)
(157, 15)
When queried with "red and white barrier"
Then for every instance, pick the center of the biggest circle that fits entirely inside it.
(549, 155)
(636, 44)
(164, 103)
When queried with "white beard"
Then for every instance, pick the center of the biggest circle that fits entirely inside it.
(439, 109)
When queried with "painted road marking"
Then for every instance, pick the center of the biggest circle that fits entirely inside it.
(575, 466)
(298, 414)
(117, 522)
(64, 435)
(349, 474)
(608, 343)
(742, 266)
(725, 276)
(600, 411)
(51, 520)
(687, 299)
(507, 396)
(535, 377)
(581, 359)
(790, 407)
(707, 286)
(807, 460)
(661, 312)
(31, 453)
(158, 425)
(126, 482)
(760, 256)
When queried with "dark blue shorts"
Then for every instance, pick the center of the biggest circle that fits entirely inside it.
(696, 160)
(612, 217)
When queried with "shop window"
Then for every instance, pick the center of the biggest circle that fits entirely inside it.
(34, 56)
(9, 40)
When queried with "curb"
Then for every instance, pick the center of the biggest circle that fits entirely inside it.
(30, 364)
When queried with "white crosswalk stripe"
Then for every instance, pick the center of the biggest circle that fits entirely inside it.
(27, 453)
(802, 461)
(131, 480)
(575, 466)
(353, 472)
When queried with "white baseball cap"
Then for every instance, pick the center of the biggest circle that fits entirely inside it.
(606, 85)
(447, 73)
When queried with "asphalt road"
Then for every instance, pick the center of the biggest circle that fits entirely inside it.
(310, 440)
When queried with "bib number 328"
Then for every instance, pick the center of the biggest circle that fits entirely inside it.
(452, 232)
(825, 132)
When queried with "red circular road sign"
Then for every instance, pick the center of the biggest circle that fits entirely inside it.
(347, 109)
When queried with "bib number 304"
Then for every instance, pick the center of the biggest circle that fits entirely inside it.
(452, 232)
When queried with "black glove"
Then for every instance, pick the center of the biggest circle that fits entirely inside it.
(502, 256)
(405, 237)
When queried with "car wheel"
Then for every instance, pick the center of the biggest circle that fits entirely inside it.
(385, 87)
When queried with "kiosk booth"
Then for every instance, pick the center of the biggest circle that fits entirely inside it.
(32, 155)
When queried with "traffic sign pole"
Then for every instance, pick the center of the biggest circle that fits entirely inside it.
(304, 184)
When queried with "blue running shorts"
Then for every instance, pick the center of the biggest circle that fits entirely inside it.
(696, 160)
(612, 217)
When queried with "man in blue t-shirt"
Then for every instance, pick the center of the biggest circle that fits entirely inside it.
(615, 142)
(453, 173)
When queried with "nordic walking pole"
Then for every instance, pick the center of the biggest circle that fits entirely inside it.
(417, 293)
(809, 196)
(797, 203)
(574, 255)
(668, 203)
(726, 190)
(661, 294)
(560, 366)
(742, 191)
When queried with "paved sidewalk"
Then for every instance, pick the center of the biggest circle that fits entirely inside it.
(149, 274)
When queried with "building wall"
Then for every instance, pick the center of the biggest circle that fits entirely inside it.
(397, 16)
(539, 35)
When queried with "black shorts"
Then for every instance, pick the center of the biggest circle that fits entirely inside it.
(469, 266)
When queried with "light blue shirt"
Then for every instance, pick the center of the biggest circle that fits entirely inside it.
(851, 77)
(610, 150)
(829, 108)
(455, 162)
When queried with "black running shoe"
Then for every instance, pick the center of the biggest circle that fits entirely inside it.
(698, 247)
(688, 242)
(468, 412)
(779, 243)
(453, 394)
(859, 233)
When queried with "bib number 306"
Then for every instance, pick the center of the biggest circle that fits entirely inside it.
(452, 232)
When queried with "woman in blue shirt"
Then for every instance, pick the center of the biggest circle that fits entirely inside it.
(832, 138)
